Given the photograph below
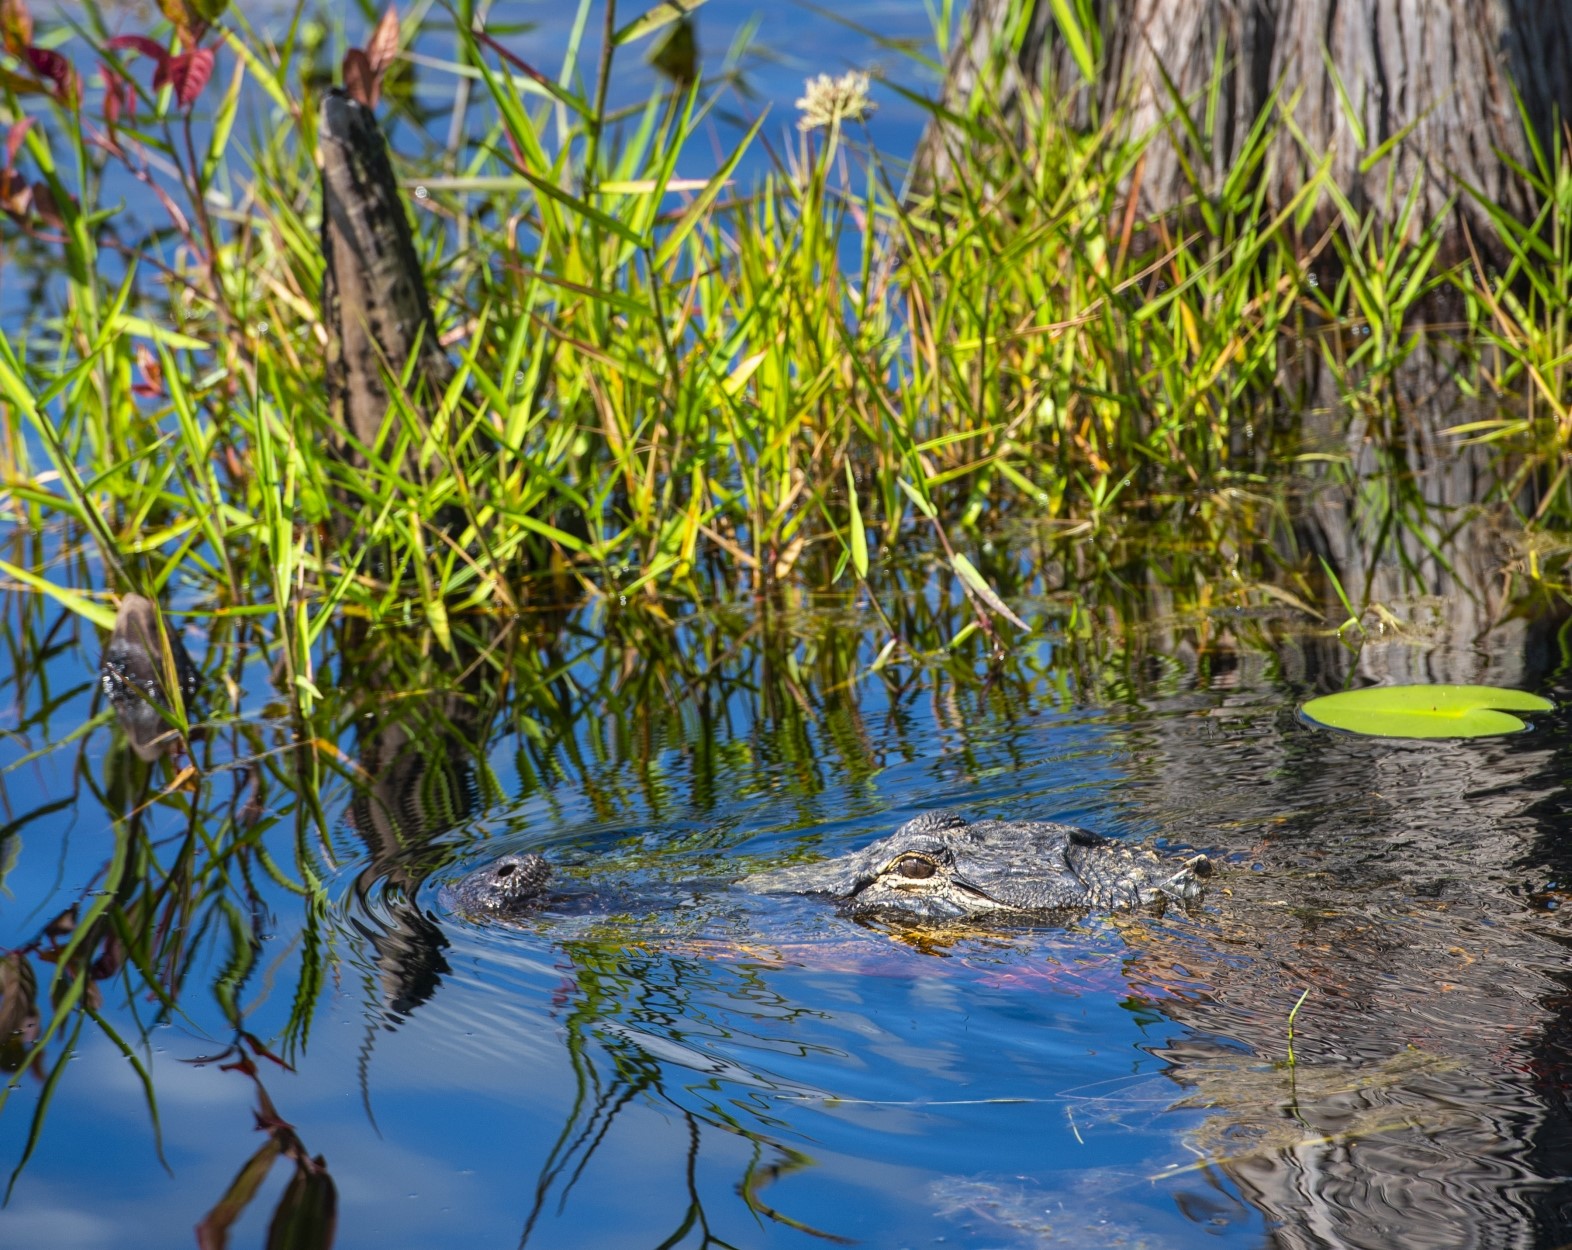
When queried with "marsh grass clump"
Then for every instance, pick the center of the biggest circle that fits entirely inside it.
(722, 387)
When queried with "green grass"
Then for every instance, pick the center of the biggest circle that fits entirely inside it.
(723, 387)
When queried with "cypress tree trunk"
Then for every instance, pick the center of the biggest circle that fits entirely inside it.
(1440, 74)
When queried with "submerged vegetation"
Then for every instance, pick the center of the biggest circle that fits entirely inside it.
(685, 405)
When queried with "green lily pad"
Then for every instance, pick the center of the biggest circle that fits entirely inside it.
(1425, 711)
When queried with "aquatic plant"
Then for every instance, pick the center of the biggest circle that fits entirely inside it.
(1425, 711)
(658, 369)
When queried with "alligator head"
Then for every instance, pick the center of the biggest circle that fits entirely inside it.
(939, 866)
(505, 887)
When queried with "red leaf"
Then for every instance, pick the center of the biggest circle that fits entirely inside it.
(187, 74)
(51, 65)
(118, 97)
(360, 84)
(152, 384)
(13, 139)
(142, 44)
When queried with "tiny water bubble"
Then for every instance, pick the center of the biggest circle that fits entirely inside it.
(421, 193)
(623, 600)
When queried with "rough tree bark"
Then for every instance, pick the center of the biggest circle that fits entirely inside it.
(1445, 68)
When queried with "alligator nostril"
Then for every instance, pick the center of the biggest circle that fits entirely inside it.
(505, 870)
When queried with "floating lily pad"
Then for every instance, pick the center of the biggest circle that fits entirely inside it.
(1425, 711)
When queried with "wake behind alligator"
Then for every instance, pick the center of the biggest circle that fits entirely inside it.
(937, 867)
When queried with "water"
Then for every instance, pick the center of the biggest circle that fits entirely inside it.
(688, 1062)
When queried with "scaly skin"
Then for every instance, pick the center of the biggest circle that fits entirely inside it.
(936, 867)
(505, 887)
(939, 866)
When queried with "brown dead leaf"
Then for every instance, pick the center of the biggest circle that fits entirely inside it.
(46, 208)
(382, 47)
(213, 1232)
(16, 197)
(18, 1010)
(307, 1214)
(360, 84)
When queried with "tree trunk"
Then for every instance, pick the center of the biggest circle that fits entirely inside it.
(1447, 70)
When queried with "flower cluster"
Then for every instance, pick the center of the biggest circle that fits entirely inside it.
(827, 101)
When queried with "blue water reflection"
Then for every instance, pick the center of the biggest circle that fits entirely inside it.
(679, 1057)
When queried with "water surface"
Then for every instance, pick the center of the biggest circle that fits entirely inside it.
(688, 1063)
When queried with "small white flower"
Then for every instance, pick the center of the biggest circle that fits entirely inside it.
(829, 100)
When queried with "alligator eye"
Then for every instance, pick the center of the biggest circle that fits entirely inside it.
(915, 868)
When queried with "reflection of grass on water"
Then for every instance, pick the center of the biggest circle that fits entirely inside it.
(616, 1065)
(1265, 1111)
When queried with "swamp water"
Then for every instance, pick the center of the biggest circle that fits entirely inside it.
(686, 1065)
(1359, 1038)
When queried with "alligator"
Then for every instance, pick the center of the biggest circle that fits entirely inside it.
(937, 867)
